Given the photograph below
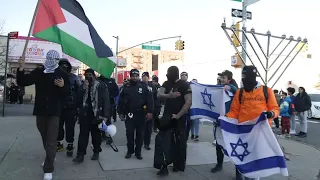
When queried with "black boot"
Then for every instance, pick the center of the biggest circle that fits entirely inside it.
(128, 155)
(139, 156)
(192, 136)
(147, 147)
(70, 150)
(95, 156)
(79, 159)
(163, 171)
(217, 168)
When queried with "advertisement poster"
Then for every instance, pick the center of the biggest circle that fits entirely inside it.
(37, 50)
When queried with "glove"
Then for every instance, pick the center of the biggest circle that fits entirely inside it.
(270, 114)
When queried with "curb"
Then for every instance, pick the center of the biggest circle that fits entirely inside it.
(278, 136)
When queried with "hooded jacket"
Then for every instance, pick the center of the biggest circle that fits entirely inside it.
(302, 102)
(74, 86)
(112, 86)
(285, 107)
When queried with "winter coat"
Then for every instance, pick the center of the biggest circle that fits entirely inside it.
(285, 107)
(302, 102)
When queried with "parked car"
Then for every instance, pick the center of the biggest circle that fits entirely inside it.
(314, 112)
(1, 92)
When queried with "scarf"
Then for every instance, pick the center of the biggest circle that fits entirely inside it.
(94, 94)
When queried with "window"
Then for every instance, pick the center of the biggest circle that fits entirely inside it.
(315, 97)
(154, 62)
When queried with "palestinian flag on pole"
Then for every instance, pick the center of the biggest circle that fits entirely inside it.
(65, 22)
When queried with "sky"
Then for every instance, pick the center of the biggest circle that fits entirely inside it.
(207, 49)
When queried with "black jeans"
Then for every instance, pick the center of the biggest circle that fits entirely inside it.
(189, 125)
(156, 114)
(21, 99)
(87, 127)
(67, 120)
(276, 122)
(220, 155)
(179, 147)
(48, 127)
(148, 132)
(135, 126)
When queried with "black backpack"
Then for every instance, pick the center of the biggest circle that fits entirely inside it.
(265, 92)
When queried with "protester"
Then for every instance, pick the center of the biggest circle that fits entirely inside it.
(285, 113)
(278, 98)
(14, 92)
(302, 105)
(184, 77)
(69, 111)
(178, 100)
(157, 103)
(251, 100)
(51, 85)
(95, 108)
(21, 94)
(225, 78)
(135, 108)
(195, 126)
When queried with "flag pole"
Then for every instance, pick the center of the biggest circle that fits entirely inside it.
(30, 32)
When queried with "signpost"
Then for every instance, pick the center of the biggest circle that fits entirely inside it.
(151, 47)
(239, 14)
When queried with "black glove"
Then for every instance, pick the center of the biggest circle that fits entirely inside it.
(270, 114)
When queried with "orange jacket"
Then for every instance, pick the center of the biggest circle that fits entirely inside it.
(252, 105)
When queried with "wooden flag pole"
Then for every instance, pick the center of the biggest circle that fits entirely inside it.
(29, 34)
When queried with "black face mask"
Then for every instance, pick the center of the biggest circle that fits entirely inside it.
(249, 84)
(172, 75)
(90, 79)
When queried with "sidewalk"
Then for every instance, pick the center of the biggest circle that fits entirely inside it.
(21, 147)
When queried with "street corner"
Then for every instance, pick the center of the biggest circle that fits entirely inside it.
(198, 154)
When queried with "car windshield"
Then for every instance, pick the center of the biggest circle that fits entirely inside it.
(315, 97)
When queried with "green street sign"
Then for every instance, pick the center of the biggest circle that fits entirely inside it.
(151, 47)
(237, 0)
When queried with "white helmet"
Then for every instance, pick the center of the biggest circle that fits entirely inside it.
(111, 130)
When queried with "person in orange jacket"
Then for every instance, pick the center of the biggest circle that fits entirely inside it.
(253, 101)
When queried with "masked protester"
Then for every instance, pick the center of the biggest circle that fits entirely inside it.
(135, 108)
(251, 100)
(69, 111)
(184, 77)
(52, 86)
(178, 100)
(157, 103)
(95, 108)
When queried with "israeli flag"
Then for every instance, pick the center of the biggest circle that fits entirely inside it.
(208, 101)
(252, 147)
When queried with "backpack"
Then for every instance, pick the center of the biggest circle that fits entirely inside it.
(265, 92)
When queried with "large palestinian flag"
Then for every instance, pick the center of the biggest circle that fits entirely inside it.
(64, 22)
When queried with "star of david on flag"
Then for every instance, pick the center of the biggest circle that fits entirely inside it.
(208, 101)
(251, 147)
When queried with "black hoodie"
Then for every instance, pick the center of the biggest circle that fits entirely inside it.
(302, 102)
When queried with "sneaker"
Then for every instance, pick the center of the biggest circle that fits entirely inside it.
(95, 156)
(217, 168)
(163, 171)
(70, 150)
(47, 176)
(192, 136)
(59, 147)
(303, 135)
(147, 147)
(78, 159)
(292, 132)
(196, 138)
(288, 135)
(298, 134)
(128, 156)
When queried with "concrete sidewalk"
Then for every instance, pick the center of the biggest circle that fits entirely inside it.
(21, 154)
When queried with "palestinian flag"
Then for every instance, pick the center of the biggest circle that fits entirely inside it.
(64, 22)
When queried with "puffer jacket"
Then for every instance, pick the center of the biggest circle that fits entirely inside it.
(285, 107)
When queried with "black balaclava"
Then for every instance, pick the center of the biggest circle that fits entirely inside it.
(65, 65)
(134, 72)
(173, 73)
(249, 78)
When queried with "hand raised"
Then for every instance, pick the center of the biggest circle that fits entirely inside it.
(59, 82)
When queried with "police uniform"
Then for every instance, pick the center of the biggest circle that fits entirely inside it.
(135, 101)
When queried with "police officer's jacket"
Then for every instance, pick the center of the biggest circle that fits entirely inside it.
(154, 90)
(133, 98)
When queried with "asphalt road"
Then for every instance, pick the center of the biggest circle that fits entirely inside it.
(313, 138)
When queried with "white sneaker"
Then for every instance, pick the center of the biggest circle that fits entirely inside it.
(292, 132)
(47, 176)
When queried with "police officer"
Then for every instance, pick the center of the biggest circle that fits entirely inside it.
(157, 103)
(135, 107)
(148, 126)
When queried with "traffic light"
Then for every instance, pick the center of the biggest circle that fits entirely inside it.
(235, 40)
(177, 44)
(181, 45)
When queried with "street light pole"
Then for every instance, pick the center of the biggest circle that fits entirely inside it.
(4, 96)
(244, 20)
(117, 51)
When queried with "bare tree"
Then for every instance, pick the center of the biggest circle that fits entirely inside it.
(3, 46)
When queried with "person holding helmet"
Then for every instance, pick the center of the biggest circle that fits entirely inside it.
(135, 108)
(69, 109)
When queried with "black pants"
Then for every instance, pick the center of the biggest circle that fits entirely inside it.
(189, 125)
(179, 147)
(148, 132)
(114, 112)
(135, 125)
(48, 127)
(156, 114)
(86, 127)
(67, 120)
(21, 99)
(276, 122)
(220, 155)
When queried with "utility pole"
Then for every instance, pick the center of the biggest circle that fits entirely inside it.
(4, 99)
(244, 40)
(117, 52)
